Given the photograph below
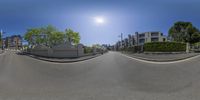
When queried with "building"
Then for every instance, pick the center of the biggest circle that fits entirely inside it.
(13, 42)
(117, 46)
(141, 38)
(138, 39)
(107, 46)
(131, 40)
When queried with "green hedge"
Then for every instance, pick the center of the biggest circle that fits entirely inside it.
(133, 49)
(164, 47)
(88, 50)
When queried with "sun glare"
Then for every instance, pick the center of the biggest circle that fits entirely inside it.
(99, 20)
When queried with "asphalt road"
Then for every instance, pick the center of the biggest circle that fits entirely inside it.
(107, 77)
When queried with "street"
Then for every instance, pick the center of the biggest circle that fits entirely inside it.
(111, 76)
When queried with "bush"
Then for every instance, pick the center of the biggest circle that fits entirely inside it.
(164, 47)
(198, 43)
(88, 50)
(132, 49)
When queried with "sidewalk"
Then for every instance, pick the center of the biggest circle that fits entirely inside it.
(62, 60)
(1, 51)
(162, 57)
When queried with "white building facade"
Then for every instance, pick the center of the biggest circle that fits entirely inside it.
(141, 38)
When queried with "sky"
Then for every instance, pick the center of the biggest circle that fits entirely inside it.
(120, 16)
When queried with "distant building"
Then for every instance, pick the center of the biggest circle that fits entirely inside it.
(13, 42)
(108, 46)
(117, 46)
(131, 40)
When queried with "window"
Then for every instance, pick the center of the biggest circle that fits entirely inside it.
(154, 34)
(141, 35)
(154, 39)
(141, 41)
(164, 39)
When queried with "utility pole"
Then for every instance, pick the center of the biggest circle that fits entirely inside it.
(121, 37)
(1, 37)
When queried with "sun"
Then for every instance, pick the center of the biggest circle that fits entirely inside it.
(99, 20)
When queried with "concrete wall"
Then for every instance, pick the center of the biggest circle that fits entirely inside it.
(80, 50)
(40, 52)
(59, 52)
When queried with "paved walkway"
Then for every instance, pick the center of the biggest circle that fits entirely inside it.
(162, 57)
(1, 51)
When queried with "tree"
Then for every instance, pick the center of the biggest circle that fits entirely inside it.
(72, 36)
(50, 36)
(96, 46)
(32, 36)
(56, 38)
(47, 32)
(182, 31)
(195, 37)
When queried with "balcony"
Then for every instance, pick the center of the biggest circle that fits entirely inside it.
(141, 35)
(154, 34)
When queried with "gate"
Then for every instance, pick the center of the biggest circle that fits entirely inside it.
(195, 47)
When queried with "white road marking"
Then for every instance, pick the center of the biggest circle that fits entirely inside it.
(154, 62)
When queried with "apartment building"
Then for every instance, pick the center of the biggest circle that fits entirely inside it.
(138, 39)
(141, 38)
(13, 42)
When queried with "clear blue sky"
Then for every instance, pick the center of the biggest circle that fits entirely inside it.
(121, 16)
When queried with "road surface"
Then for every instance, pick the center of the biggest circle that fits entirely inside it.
(108, 77)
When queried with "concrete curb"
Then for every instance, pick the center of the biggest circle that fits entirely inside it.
(62, 61)
(162, 60)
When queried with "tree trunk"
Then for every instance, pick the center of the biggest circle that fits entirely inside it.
(187, 47)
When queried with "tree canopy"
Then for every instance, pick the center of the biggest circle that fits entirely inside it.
(50, 36)
(183, 32)
(72, 36)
